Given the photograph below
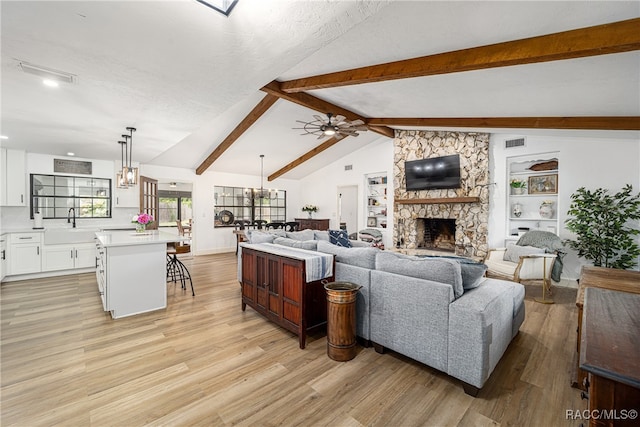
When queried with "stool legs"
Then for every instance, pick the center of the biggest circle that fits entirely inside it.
(177, 270)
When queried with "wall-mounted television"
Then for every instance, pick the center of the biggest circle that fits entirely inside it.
(433, 173)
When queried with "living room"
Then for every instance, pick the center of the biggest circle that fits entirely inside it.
(203, 359)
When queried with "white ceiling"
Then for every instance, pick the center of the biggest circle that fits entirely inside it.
(185, 75)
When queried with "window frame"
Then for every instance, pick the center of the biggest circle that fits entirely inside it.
(75, 195)
(249, 209)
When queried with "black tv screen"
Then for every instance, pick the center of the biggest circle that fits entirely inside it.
(433, 173)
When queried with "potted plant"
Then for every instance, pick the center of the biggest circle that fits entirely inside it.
(604, 225)
(310, 209)
(141, 221)
(518, 186)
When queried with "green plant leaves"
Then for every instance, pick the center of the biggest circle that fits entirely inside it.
(605, 226)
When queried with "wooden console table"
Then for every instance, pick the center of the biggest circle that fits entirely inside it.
(609, 353)
(275, 285)
(313, 224)
(604, 278)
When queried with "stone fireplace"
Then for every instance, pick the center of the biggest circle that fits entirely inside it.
(436, 233)
(465, 210)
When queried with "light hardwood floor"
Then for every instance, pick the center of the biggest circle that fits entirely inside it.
(203, 361)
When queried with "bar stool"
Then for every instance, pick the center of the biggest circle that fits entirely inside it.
(176, 270)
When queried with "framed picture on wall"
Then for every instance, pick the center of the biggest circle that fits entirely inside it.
(371, 221)
(543, 184)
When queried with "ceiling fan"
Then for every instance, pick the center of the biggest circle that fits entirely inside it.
(337, 126)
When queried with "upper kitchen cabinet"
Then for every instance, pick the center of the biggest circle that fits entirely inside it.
(14, 178)
(127, 197)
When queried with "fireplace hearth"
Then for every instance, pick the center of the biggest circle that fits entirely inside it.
(436, 233)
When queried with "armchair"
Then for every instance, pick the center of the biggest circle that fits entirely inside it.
(528, 267)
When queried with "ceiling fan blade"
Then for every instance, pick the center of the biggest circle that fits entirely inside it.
(320, 119)
(339, 118)
(357, 122)
(362, 127)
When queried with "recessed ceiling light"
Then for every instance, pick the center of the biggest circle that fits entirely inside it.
(4, 137)
(50, 83)
(71, 154)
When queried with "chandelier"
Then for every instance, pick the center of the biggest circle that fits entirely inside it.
(262, 193)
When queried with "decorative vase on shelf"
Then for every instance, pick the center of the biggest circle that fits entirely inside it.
(546, 209)
(517, 210)
(518, 191)
(140, 228)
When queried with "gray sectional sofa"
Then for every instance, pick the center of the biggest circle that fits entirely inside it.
(439, 311)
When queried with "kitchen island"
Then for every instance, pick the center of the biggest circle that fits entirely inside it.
(131, 270)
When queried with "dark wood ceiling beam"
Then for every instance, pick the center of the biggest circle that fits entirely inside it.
(242, 127)
(308, 155)
(321, 106)
(616, 37)
(584, 123)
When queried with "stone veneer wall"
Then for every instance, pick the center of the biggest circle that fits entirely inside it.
(471, 218)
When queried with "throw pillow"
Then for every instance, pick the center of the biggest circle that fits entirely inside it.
(441, 270)
(300, 235)
(514, 252)
(321, 235)
(339, 238)
(472, 272)
(260, 237)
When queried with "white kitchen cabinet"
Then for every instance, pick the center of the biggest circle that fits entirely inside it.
(25, 253)
(13, 178)
(131, 272)
(125, 197)
(3, 256)
(68, 256)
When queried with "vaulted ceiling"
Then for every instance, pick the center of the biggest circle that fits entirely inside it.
(208, 92)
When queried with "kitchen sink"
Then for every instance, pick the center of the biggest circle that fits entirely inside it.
(58, 236)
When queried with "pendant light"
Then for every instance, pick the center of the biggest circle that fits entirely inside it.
(121, 182)
(130, 173)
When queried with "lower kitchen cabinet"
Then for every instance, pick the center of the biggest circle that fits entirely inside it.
(25, 253)
(67, 257)
(3, 256)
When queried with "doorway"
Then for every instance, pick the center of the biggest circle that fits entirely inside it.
(348, 207)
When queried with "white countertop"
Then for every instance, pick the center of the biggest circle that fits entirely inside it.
(131, 238)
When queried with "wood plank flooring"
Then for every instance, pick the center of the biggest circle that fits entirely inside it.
(203, 361)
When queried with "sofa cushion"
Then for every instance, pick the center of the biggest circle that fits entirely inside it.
(339, 238)
(261, 237)
(300, 235)
(360, 257)
(321, 235)
(441, 270)
(472, 271)
(293, 243)
(514, 252)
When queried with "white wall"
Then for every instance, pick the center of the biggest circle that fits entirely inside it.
(590, 162)
(321, 187)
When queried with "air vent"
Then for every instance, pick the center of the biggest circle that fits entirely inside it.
(512, 143)
(48, 73)
(348, 167)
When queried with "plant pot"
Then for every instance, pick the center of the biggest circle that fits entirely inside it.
(140, 228)
(518, 191)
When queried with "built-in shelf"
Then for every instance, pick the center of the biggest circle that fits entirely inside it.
(437, 200)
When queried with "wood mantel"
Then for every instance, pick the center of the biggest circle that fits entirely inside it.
(437, 200)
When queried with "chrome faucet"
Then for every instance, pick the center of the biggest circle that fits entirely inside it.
(74, 216)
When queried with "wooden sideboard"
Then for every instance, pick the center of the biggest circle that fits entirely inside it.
(276, 287)
(313, 224)
(609, 353)
(604, 278)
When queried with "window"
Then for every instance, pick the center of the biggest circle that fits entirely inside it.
(54, 195)
(237, 203)
(174, 206)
